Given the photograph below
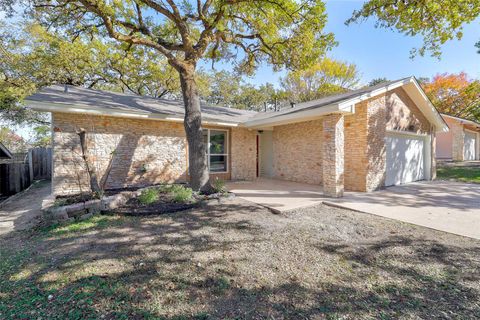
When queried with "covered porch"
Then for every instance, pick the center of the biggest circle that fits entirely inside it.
(278, 195)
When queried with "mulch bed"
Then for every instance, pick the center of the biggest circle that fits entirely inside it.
(165, 204)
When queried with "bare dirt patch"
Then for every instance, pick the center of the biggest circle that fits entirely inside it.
(236, 260)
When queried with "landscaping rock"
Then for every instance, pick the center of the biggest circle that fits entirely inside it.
(85, 216)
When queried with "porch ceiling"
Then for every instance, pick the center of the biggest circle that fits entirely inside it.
(278, 195)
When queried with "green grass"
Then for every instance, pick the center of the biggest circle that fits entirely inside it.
(181, 194)
(94, 223)
(464, 174)
(149, 196)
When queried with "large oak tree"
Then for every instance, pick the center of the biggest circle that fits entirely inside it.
(283, 33)
(436, 21)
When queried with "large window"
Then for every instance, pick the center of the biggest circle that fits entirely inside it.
(217, 149)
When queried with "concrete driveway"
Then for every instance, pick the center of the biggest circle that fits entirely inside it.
(442, 205)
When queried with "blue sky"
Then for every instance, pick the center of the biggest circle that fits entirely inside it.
(386, 53)
(381, 52)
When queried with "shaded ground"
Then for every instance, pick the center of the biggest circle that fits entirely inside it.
(466, 171)
(22, 210)
(237, 260)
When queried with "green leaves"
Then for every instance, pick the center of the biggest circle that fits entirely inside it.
(436, 21)
(324, 78)
(33, 57)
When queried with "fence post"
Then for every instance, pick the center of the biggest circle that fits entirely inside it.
(30, 164)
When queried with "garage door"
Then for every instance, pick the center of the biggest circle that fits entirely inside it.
(405, 158)
(470, 143)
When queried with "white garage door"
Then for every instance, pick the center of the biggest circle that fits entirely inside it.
(470, 143)
(405, 158)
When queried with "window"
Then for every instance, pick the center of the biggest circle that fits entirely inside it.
(217, 149)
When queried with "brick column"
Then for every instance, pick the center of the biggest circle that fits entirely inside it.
(333, 155)
(458, 139)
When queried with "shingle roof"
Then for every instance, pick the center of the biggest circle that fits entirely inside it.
(4, 152)
(325, 101)
(120, 102)
(114, 101)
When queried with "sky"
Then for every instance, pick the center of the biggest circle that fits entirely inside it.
(383, 53)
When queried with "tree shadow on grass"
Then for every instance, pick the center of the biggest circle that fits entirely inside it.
(189, 265)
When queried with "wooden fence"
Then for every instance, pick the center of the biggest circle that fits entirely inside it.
(40, 161)
(18, 175)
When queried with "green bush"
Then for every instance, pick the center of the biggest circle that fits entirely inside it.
(181, 193)
(149, 196)
(219, 185)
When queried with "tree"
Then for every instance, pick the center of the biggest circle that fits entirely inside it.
(42, 136)
(229, 90)
(32, 57)
(284, 33)
(324, 78)
(12, 141)
(436, 21)
(455, 94)
(376, 81)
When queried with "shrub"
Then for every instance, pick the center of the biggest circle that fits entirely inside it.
(149, 196)
(181, 193)
(219, 185)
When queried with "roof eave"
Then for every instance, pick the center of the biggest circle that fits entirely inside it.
(6, 151)
(97, 111)
(462, 121)
(300, 116)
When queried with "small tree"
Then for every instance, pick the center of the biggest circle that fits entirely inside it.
(376, 81)
(324, 78)
(284, 33)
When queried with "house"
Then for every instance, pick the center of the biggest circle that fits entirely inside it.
(361, 140)
(461, 143)
(5, 154)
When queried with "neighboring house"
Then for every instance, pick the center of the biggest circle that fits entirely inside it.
(5, 153)
(462, 142)
(362, 140)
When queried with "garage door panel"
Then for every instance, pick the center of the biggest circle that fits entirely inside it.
(470, 143)
(405, 159)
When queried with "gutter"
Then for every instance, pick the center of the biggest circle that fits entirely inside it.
(76, 109)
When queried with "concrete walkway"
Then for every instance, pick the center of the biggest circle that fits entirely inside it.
(442, 205)
(22, 210)
(278, 195)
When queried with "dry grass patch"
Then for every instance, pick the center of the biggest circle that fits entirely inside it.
(236, 260)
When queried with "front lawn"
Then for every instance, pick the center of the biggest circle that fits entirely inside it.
(464, 174)
(236, 260)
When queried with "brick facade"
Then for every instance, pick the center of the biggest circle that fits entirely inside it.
(297, 152)
(458, 140)
(140, 152)
(244, 153)
(336, 151)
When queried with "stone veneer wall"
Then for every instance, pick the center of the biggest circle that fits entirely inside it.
(333, 155)
(140, 152)
(297, 152)
(458, 139)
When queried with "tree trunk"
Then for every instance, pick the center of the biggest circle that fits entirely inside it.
(197, 153)
(90, 166)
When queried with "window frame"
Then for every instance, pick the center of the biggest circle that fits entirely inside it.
(226, 149)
